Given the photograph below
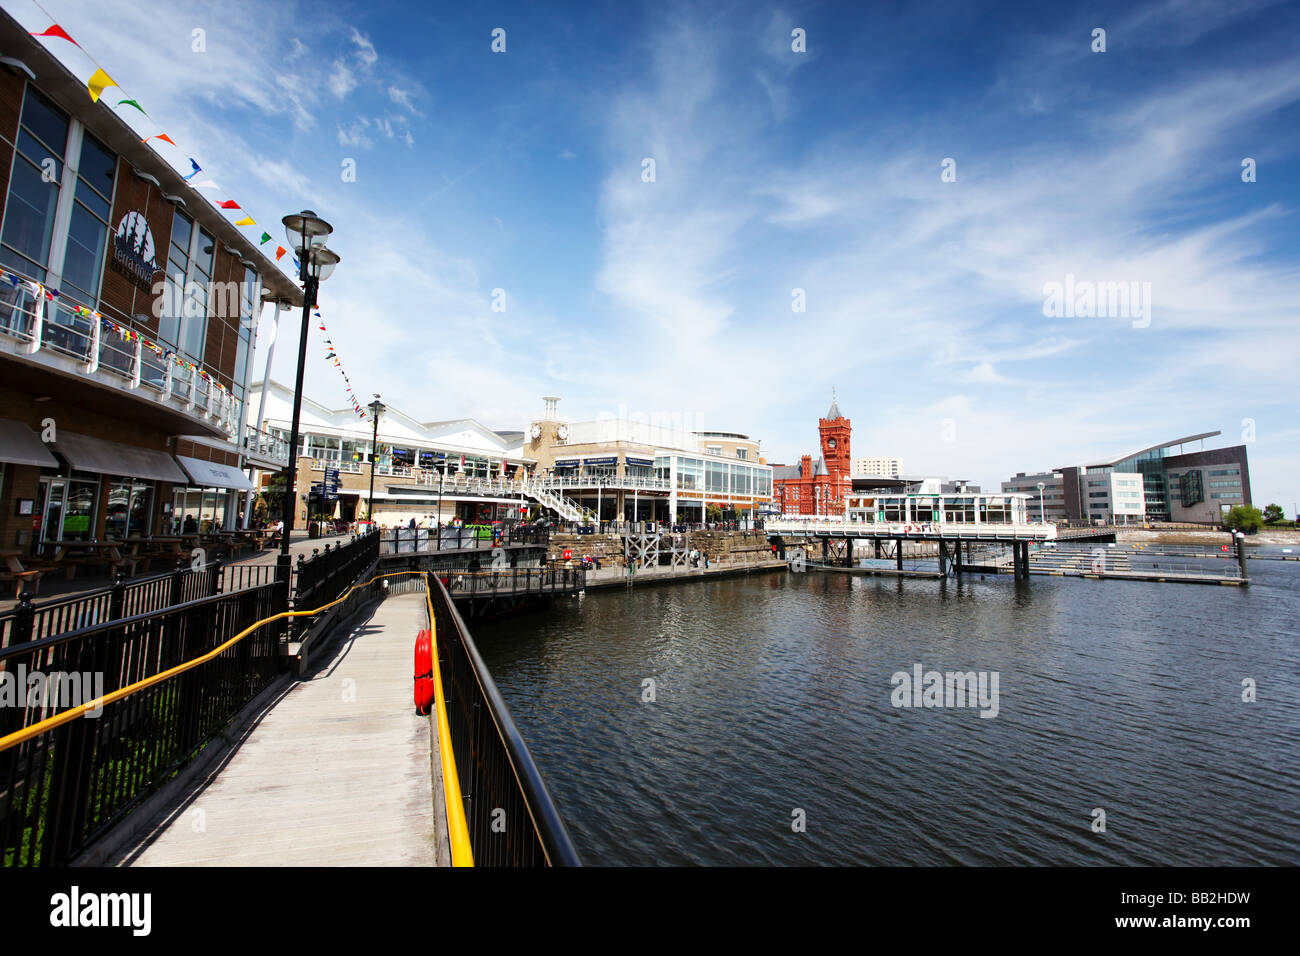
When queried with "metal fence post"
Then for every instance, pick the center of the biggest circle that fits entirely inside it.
(178, 583)
(24, 618)
(117, 598)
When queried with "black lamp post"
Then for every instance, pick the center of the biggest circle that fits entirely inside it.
(377, 408)
(307, 235)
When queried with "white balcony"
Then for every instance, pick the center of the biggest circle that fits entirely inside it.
(42, 334)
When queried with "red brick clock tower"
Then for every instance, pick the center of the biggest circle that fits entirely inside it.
(835, 430)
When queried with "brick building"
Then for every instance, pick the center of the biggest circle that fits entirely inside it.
(128, 306)
(818, 488)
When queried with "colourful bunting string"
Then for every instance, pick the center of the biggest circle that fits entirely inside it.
(279, 252)
(100, 81)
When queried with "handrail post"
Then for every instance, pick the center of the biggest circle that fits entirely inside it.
(177, 582)
(24, 618)
(117, 598)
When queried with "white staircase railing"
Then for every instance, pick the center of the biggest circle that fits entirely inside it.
(566, 508)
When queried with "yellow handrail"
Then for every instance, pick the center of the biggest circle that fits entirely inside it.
(462, 854)
(458, 830)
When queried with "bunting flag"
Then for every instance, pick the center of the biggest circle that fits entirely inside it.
(132, 103)
(266, 237)
(98, 83)
(162, 136)
(279, 252)
(228, 204)
(246, 221)
(58, 31)
(206, 184)
(197, 169)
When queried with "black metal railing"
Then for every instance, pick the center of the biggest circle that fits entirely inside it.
(511, 818)
(30, 621)
(506, 582)
(327, 574)
(415, 540)
(63, 789)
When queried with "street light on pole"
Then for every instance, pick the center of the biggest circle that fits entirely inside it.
(377, 408)
(1042, 517)
(307, 235)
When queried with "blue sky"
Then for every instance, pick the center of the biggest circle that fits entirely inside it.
(774, 171)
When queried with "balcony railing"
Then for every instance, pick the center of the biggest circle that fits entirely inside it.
(34, 320)
(265, 445)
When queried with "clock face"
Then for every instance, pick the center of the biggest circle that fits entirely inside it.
(830, 443)
(562, 432)
(536, 431)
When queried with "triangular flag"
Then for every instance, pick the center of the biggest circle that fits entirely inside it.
(266, 237)
(98, 83)
(206, 184)
(132, 103)
(58, 31)
(162, 136)
(279, 251)
(246, 222)
(228, 204)
(197, 169)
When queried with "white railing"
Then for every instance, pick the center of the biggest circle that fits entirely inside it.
(606, 481)
(109, 351)
(918, 529)
(265, 445)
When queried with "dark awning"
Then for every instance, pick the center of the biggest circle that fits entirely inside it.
(85, 453)
(22, 446)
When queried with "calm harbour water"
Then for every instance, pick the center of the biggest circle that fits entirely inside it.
(773, 694)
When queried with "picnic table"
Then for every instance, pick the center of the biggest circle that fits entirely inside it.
(72, 554)
(149, 549)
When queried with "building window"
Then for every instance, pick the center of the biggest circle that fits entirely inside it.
(34, 186)
(742, 453)
(83, 262)
(247, 322)
(195, 324)
(713, 449)
(178, 266)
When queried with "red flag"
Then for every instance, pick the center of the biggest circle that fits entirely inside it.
(228, 204)
(57, 31)
(162, 136)
(279, 251)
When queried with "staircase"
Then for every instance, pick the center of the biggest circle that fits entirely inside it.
(567, 509)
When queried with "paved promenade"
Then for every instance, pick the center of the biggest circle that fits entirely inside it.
(339, 772)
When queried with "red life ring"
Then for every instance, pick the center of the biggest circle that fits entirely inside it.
(423, 672)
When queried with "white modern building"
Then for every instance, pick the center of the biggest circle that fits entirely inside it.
(877, 467)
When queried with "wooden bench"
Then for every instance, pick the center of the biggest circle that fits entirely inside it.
(14, 571)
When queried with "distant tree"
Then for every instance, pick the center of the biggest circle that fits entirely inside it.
(1242, 518)
(713, 513)
(1272, 513)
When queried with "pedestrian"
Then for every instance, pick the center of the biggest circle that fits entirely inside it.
(706, 559)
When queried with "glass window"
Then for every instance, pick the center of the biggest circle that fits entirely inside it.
(98, 168)
(83, 262)
(195, 320)
(178, 264)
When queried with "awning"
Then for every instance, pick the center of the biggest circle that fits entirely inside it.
(602, 460)
(113, 458)
(209, 474)
(565, 462)
(638, 461)
(22, 446)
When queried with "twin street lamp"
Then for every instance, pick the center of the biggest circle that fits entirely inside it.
(307, 235)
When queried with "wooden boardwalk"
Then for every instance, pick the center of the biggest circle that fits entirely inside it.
(340, 772)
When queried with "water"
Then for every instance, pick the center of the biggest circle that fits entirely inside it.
(772, 695)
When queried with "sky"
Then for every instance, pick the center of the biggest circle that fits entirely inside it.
(913, 179)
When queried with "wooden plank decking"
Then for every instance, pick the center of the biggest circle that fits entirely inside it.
(340, 772)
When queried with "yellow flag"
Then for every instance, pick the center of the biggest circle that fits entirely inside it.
(246, 222)
(97, 84)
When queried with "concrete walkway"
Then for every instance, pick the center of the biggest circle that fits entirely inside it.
(339, 772)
